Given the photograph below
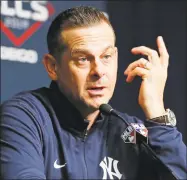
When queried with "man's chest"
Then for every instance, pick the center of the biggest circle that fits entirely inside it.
(100, 156)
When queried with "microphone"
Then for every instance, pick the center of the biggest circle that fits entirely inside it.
(108, 110)
(137, 133)
(134, 131)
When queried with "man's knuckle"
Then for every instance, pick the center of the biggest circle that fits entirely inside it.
(154, 52)
(142, 60)
(167, 55)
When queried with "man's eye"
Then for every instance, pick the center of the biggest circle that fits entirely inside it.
(83, 59)
(107, 56)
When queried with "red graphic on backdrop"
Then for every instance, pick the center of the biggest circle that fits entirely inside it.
(18, 41)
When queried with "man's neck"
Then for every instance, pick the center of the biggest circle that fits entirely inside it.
(87, 113)
(91, 117)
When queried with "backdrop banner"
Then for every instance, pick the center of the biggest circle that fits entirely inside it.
(24, 26)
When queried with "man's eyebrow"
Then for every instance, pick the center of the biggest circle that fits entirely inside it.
(108, 47)
(77, 51)
(85, 51)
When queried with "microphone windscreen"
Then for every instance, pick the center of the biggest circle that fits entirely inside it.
(105, 108)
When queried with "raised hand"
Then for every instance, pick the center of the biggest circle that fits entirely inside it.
(153, 72)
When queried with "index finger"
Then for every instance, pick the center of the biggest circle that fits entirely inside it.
(164, 56)
(152, 54)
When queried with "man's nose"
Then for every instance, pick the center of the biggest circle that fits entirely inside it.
(97, 68)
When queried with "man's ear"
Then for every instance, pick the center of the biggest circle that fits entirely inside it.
(116, 52)
(50, 65)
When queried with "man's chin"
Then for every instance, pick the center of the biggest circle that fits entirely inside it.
(95, 103)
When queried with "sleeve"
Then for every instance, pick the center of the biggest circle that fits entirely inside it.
(167, 143)
(20, 141)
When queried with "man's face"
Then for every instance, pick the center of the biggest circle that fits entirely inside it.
(88, 68)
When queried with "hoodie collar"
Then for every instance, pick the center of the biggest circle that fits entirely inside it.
(69, 117)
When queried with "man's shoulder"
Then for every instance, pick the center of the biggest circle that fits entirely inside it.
(26, 101)
(26, 98)
(130, 118)
(26, 106)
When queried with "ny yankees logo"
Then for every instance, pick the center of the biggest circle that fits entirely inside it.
(107, 168)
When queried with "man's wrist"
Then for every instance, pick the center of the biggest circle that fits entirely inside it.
(168, 118)
(154, 111)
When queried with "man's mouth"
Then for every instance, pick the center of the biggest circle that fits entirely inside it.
(96, 90)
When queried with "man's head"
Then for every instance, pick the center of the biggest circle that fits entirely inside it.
(82, 56)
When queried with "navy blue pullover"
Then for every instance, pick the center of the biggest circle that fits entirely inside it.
(43, 137)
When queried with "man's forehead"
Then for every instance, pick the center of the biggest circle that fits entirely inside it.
(86, 49)
(83, 35)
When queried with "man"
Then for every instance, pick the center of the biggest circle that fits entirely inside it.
(59, 132)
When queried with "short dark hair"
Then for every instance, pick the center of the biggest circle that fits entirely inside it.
(82, 16)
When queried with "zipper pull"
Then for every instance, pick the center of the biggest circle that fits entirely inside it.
(85, 134)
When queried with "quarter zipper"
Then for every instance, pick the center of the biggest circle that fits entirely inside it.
(85, 134)
(84, 153)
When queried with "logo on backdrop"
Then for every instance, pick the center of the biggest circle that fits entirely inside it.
(109, 165)
(19, 21)
(25, 16)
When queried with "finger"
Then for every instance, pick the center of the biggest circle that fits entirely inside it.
(139, 63)
(150, 53)
(138, 71)
(164, 56)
